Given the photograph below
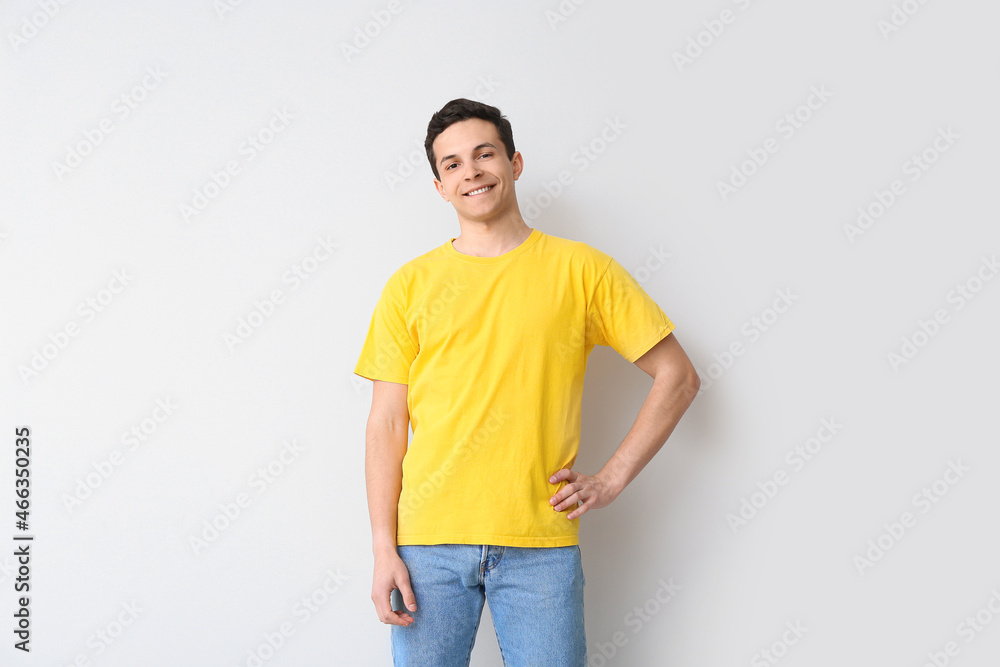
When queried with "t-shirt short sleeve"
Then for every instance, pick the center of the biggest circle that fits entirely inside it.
(624, 316)
(389, 349)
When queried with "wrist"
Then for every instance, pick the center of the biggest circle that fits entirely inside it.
(383, 544)
(615, 483)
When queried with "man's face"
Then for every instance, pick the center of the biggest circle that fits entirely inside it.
(470, 156)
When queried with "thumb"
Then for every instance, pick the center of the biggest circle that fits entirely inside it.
(409, 599)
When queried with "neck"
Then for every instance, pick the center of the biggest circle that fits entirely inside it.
(491, 239)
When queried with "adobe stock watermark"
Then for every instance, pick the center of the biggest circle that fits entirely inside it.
(132, 439)
(712, 30)
(655, 260)
(585, 155)
(423, 490)
(913, 167)
(366, 33)
(229, 512)
(220, 179)
(640, 616)
(224, 8)
(407, 165)
(968, 629)
(35, 22)
(924, 501)
(797, 457)
(88, 309)
(752, 330)
(303, 610)
(575, 340)
(778, 649)
(562, 12)
(121, 108)
(900, 15)
(926, 330)
(263, 309)
(105, 636)
(391, 357)
(787, 126)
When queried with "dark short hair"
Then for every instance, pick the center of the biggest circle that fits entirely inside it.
(462, 109)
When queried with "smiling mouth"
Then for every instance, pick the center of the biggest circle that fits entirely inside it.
(485, 188)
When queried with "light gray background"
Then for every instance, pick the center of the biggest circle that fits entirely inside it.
(355, 121)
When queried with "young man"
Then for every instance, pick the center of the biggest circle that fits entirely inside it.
(481, 344)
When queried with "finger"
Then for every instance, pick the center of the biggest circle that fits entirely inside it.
(383, 606)
(579, 511)
(399, 618)
(570, 499)
(387, 615)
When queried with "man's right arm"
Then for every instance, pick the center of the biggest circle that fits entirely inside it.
(385, 446)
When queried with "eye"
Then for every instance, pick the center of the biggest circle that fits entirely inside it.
(450, 166)
(485, 154)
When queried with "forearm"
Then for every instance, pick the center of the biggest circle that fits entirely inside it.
(668, 400)
(384, 451)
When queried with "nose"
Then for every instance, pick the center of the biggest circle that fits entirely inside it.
(472, 170)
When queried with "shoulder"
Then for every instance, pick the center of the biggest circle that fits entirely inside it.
(417, 269)
(578, 253)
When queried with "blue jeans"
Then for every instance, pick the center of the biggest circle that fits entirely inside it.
(535, 596)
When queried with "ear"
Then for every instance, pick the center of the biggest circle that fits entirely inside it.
(517, 164)
(440, 189)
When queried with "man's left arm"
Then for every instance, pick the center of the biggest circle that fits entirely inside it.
(675, 385)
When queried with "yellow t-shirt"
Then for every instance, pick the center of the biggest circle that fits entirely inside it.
(494, 350)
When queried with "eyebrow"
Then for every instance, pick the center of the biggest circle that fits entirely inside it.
(485, 144)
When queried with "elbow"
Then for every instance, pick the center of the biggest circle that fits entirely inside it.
(684, 380)
(687, 380)
(693, 382)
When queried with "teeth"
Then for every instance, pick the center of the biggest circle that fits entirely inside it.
(482, 189)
